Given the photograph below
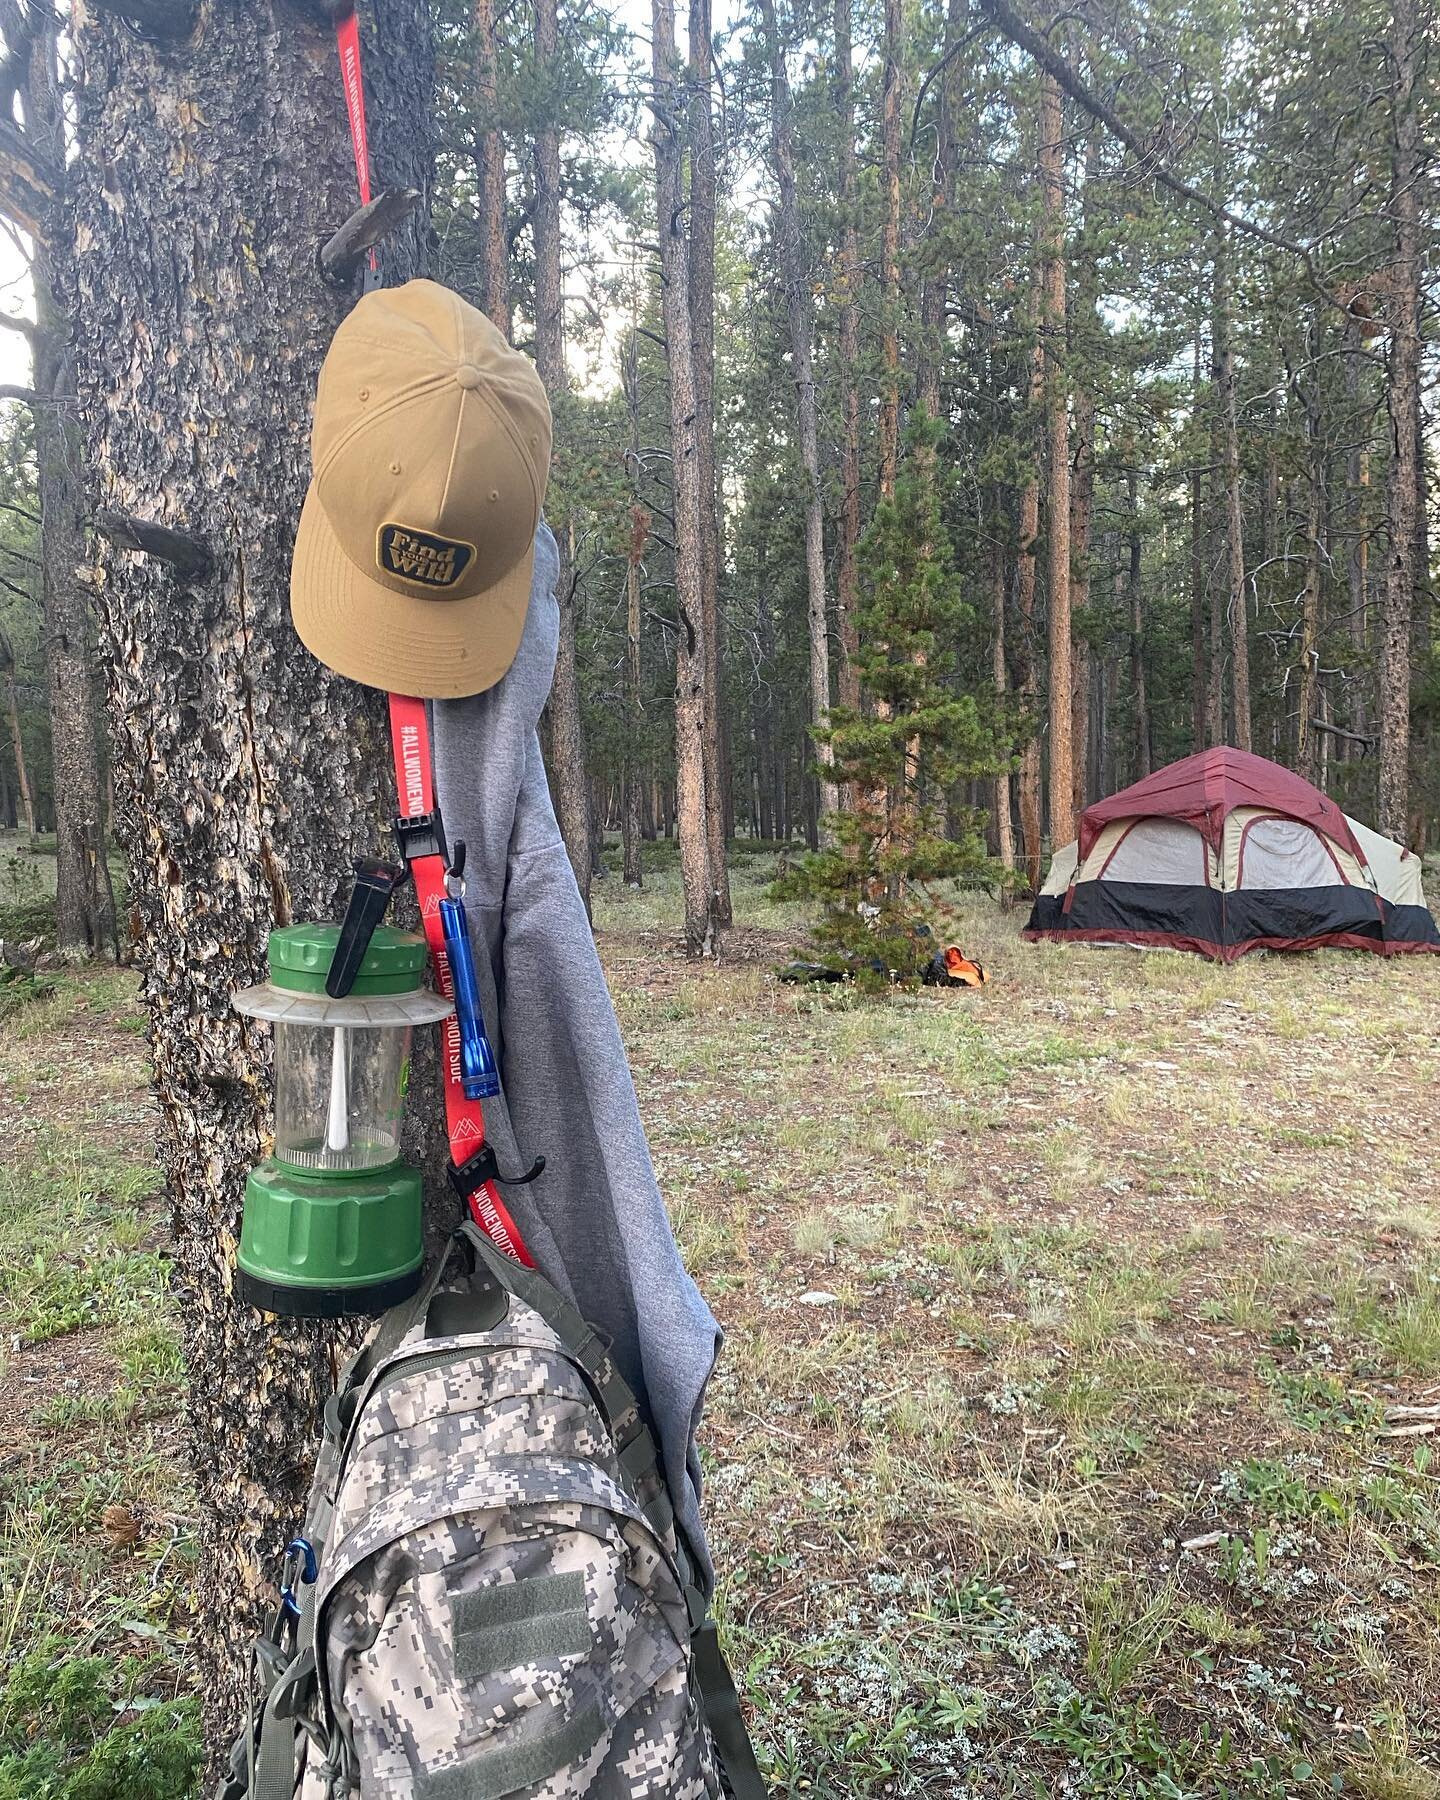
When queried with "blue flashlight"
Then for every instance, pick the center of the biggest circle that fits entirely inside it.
(479, 1077)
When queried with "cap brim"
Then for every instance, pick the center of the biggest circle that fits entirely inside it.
(401, 643)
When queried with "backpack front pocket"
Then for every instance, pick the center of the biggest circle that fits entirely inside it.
(509, 1643)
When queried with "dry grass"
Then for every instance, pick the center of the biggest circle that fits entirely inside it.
(1127, 1250)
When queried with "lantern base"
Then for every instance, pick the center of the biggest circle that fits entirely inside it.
(325, 1303)
(329, 1245)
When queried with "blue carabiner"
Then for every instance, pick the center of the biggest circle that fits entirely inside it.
(309, 1569)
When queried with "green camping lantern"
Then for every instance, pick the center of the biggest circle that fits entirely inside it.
(332, 1219)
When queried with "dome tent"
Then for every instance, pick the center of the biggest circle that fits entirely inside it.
(1223, 853)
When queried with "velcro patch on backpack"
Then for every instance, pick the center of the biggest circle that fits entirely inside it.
(539, 1619)
(518, 1767)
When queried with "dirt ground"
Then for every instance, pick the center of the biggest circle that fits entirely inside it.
(1075, 1429)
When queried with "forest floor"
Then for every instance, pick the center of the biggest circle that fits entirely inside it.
(1075, 1430)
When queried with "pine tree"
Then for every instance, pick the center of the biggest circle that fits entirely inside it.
(878, 884)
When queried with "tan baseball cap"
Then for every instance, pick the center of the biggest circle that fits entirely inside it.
(430, 449)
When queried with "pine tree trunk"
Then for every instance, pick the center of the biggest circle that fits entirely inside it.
(630, 819)
(1027, 680)
(1085, 341)
(1402, 404)
(1423, 783)
(935, 287)
(995, 553)
(889, 430)
(670, 208)
(1203, 727)
(1136, 597)
(1082, 500)
(247, 776)
(1357, 484)
(847, 581)
(1308, 742)
(703, 181)
(1229, 460)
(800, 316)
(763, 725)
(490, 173)
(17, 741)
(1057, 438)
(631, 826)
(84, 919)
(566, 737)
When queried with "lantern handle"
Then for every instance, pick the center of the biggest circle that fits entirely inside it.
(375, 881)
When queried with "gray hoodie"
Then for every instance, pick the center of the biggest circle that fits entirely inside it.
(594, 1221)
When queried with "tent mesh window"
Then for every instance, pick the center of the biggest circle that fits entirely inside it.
(1283, 853)
(1162, 852)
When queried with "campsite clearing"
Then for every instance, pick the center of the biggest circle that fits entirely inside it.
(1079, 1426)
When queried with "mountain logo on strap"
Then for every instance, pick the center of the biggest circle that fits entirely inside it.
(421, 556)
(465, 1130)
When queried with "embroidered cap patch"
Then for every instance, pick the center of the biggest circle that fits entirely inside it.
(421, 557)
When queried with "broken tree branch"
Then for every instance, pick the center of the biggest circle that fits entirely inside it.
(27, 181)
(366, 226)
(185, 554)
(1365, 741)
(1009, 23)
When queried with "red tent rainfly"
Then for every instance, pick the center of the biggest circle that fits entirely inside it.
(1223, 853)
(1206, 788)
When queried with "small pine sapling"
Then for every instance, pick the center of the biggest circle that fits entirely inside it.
(902, 754)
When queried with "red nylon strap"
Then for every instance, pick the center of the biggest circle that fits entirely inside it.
(347, 42)
(465, 1119)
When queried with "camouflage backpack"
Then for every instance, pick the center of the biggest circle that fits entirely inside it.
(490, 1597)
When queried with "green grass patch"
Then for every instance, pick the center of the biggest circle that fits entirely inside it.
(97, 1728)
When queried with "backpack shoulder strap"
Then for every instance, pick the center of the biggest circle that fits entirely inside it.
(722, 1714)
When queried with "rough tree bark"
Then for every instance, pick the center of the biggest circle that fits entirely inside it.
(1027, 681)
(889, 428)
(1308, 741)
(799, 310)
(566, 738)
(703, 182)
(1402, 405)
(490, 173)
(246, 775)
(668, 139)
(17, 740)
(1200, 731)
(1135, 598)
(1085, 339)
(1237, 613)
(632, 773)
(769, 777)
(1004, 830)
(1357, 488)
(935, 287)
(847, 581)
(1057, 443)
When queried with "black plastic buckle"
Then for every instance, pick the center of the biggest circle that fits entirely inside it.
(375, 881)
(469, 1177)
(421, 834)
